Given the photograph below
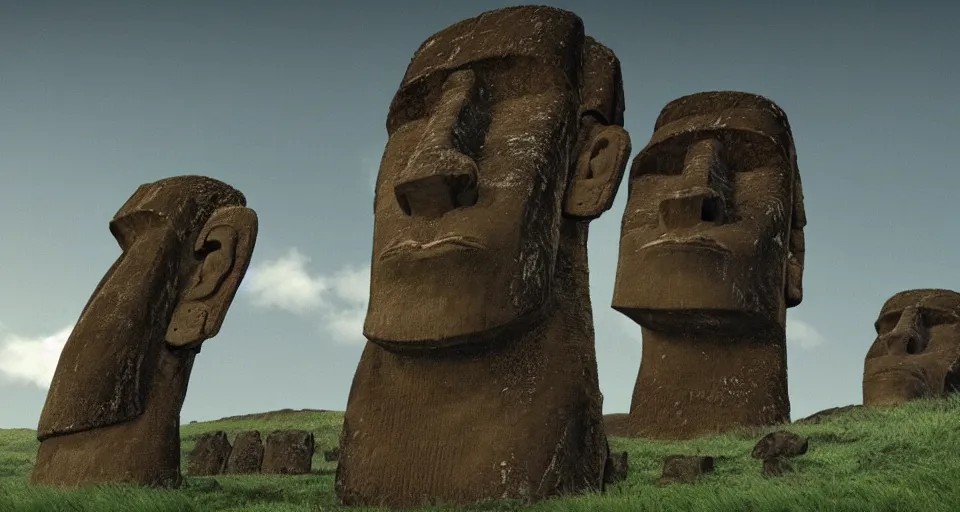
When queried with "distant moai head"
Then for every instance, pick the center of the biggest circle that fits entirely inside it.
(712, 235)
(504, 127)
(917, 350)
(186, 242)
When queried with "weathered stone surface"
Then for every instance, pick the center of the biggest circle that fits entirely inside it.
(209, 455)
(684, 469)
(616, 468)
(818, 417)
(504, 139)
(916, 353)
(711, 257)
(776, 466)
(247, 454)
(288, 452)
(112, 413)
(779, 444)
(332, 455)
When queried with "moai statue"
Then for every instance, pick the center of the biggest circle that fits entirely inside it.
(112, 414)
(479, 380)
(711, 257)
(917, 350)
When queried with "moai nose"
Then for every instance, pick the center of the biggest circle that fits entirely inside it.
(441, 176)
(702, 201)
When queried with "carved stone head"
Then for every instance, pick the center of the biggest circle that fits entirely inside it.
(712, 235)
(186, 242)
(503, 125)
(917, 350)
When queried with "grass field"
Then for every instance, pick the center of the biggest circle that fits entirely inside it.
(903, 459)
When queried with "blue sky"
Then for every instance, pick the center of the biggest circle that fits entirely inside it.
(287, 102)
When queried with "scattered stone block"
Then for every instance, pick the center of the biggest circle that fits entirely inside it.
(685, 469)
(776, 466)
(332, 455)
(247, 454)
(616, 468)
(288, 452)
(210, 454)
(779, 444)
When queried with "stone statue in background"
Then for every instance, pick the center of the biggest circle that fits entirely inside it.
(711, 257)
(479, 380)
(917, 350)
(112, 414)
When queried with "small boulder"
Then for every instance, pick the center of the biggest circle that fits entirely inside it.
(776, 466)
(247, 454)
(615, 469)
(332, 455)
(779, 444)
(288, 452)
(684, 468)
(210, 454)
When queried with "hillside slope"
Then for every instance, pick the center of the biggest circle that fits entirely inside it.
(902, 459)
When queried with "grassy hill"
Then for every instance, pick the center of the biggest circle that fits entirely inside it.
(903, 459)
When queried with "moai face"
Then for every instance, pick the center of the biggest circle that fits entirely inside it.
(476, 175)
(712, 235)
(917, 350)
(186, 244)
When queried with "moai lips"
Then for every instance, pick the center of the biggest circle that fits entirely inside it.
(711, 256)
(916, 353)
(480, 380)
(112, 413)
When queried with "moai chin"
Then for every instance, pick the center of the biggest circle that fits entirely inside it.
(711, 256)
(112, 413)
(479, 380)
(916, 353)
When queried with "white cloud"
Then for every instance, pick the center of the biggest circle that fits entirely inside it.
(346, 325)
(32, 360)
(284, 283)
(344, 314)
(802, 334)
(339, 298)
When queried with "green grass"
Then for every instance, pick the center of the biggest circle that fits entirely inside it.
(902, 459)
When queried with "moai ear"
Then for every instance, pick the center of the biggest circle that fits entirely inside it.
(794, 278)
(224, 247)
(598, 174)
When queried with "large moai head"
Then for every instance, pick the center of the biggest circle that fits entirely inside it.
(917, 350)
(505, 140)
(504, 126)
(712, 235)
(186, 243)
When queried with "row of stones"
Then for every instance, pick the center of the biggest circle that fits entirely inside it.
(285, 452)
(774, 449)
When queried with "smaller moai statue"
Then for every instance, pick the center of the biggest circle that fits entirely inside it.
(112, 413)
(916, 353)
(711, 258)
